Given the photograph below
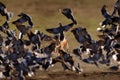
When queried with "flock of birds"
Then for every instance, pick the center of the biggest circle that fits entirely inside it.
(21, 57)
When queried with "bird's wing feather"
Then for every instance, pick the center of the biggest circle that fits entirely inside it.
(53, 30)
(67, 27)
(104, 12)
(68, 13)
(60, 29)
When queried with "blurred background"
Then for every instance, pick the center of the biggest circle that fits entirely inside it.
(45, 14)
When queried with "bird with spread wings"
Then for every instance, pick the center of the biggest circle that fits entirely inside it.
(68, 13)
(60, 28)
(23, 18)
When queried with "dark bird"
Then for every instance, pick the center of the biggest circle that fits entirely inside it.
(46, 65)
(4, 27)
(78, 68)
(44, 37)
(114, 68)
(6, 73)
(117, 36)
(104, 12)
(27, 42)
(77, 52)
(116, 8)
(60, 28)
(34, 38)
(2, 7)
(81, 35)
(109, 19)
(4, 12)
(116, 46)
(23, 18)
(68, 13)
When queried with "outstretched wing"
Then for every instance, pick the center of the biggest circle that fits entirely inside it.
(81, 35)
(3, 5)
(60, 28)
(77, 34)
(20, 20)
(5, 25)
(104, 12)
(23, 18)
(26, 17)
(68, 13)
(67, 27)
(53, 30)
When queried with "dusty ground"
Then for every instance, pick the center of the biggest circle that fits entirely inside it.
(90, 72)
(63, 75)
(83, 76)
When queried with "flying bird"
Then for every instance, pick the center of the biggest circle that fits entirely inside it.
(68, 13)
(4, 27)
(2, 7)
(81, 35)
(78, 69)
(104, 12)
(23, 18)
(109, 19)
(60, 28)
(4, 12)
